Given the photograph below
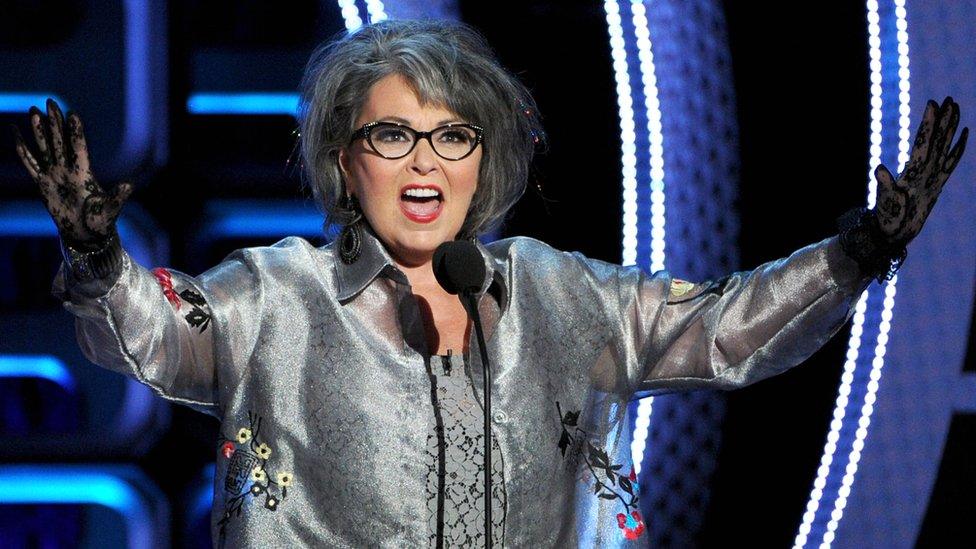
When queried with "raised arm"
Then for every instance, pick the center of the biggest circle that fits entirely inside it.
(754, 324)
(187, 338)
(744, 327)
(164, 328)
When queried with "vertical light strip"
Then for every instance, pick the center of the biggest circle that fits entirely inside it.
(350, 14)
(904, 110)
(867, 408)
(884, 326)
(628, 146)
(857, 328)
(135, 132)
(376, 11)
(854, 344)
(652, 107)
(874, 49)
(628, 160)
(904, 86)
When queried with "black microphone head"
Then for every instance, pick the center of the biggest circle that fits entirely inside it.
(459, 267)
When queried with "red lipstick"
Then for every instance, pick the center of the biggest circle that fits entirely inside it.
(424, 204)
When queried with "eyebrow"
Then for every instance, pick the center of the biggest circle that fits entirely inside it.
(408, 123)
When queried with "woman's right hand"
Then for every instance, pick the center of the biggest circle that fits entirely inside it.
(84, 213)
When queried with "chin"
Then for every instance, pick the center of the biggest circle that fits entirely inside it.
(430, 242)
(421, 244)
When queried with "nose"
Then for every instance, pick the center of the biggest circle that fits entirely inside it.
(423, 157)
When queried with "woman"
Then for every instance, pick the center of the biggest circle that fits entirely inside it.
(348, 392)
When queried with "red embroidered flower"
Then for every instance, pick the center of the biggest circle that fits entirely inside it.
(227, 449)
(165, 280)
(633, 474)
(632, 525)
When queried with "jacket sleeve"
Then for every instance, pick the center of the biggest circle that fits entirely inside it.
(187, 338)
(737, 330)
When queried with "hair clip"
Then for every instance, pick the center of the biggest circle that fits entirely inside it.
(528, 114)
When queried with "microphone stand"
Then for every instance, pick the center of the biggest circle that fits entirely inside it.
(469, 302)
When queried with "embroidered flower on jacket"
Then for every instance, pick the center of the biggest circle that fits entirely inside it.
(165, 280)
(248, 472)
(243, 435)
(598, 463)
(198, 318)
(193, 298)
(680, 287)
(227, 449)
(632, 524)
(283, 479)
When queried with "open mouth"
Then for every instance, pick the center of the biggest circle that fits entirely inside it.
(421, 204)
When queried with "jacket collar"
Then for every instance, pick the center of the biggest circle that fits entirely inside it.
(375, 261)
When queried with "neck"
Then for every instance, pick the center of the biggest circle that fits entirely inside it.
(419, 274)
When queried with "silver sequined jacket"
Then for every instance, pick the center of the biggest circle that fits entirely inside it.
(315, 370)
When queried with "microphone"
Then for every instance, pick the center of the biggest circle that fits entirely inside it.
(460, 270)
(458, 267)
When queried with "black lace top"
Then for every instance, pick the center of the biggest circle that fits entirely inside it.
(455, 462)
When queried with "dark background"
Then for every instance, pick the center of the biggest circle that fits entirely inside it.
(801, 83)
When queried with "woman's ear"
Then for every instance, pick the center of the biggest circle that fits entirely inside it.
(342, 160)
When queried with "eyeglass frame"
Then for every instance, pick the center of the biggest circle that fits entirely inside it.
(365, 132)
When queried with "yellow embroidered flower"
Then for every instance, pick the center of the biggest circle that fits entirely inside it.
(264, 451)
(680, 287)
(284, 479)
(243, 435)
(258, 474)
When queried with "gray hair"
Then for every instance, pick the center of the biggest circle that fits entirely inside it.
(448, 64)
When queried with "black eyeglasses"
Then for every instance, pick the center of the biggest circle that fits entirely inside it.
(391, 140)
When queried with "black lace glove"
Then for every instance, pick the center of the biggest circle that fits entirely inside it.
(862, 240)
(83, 212)
(878, 239)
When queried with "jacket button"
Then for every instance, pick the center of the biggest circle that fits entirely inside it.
(499, 416)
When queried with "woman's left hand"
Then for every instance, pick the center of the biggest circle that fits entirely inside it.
(905, 203)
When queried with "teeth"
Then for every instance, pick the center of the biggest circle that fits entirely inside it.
(422, 193)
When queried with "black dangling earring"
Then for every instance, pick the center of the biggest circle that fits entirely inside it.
(351, 237)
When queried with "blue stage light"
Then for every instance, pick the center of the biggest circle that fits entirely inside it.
(37, 366)
(26, 222)
(19, 103)
(201, 502)
(283, 103)
(262, 218)
(835, 476)
(350, 14)
(376, 11)
(80, 485)
(628, 138)
(29, 219)
(138, 132)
